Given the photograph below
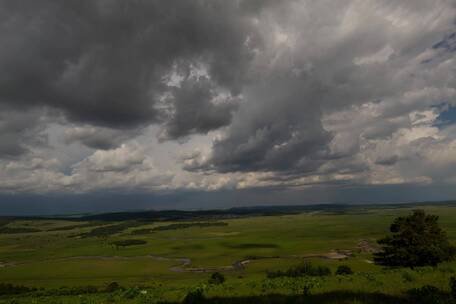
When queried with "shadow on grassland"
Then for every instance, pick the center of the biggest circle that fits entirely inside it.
(336, 297)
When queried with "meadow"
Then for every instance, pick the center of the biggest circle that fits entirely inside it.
(163, 261)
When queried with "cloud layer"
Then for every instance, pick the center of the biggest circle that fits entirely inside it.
(106, 63)
(156, 97)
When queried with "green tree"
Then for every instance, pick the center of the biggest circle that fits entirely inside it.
(344, 270)
(217, 278)
(415, 240)
(453, 287)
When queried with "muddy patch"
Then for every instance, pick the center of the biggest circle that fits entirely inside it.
(366, 246)
(6, 264)
(338, 254)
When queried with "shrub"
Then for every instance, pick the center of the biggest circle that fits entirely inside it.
(316, 271)
(453, 287)
(125, 243)
(427, 294)
(306, 290)
(71, 291)
(217, 278)
(106, 231)
(344, 270)
(194, 296)
(10, 289)
(305, 269)
(12, 230)
(113, 286)
(446, 269)
(131, 293)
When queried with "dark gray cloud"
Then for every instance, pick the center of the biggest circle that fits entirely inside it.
(282, 132)
(192, 109)
(103, 62)
(309, 70)
(20, 132)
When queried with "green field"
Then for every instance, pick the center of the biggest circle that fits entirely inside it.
(174, 261)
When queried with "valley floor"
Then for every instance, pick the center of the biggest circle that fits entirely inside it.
(175, 259)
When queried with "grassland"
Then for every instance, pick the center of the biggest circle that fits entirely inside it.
(173, 262)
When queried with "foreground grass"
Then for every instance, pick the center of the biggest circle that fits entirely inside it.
(387, 286)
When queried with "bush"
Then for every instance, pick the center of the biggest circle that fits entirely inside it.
(113, 286)
(194, 296)
(12, 230)
(453, 287)
(344, 270)
(217, 278)
(446, 269)
(106, 231)
(306, 290)
(71, 291)
(427, 294)
(305, 269)
(131, 242)
(10, 289)
(131, 293)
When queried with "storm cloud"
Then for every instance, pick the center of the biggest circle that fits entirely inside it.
(213, 95)
(106, 62)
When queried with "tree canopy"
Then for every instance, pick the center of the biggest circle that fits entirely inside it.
(415, 240)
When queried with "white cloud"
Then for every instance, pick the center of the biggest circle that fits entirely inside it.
(332, 92)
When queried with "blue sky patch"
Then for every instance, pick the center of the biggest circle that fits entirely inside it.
(448, 43)
(447, 117)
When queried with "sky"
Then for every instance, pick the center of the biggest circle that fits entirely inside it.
(110, 105)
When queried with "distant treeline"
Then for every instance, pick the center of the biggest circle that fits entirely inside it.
(10, 289)
(77, 226)
(142, 231)
(179, 226)
(178, 215)
(12, 230)
(125, 243)
(106, 231)
(72, 291)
